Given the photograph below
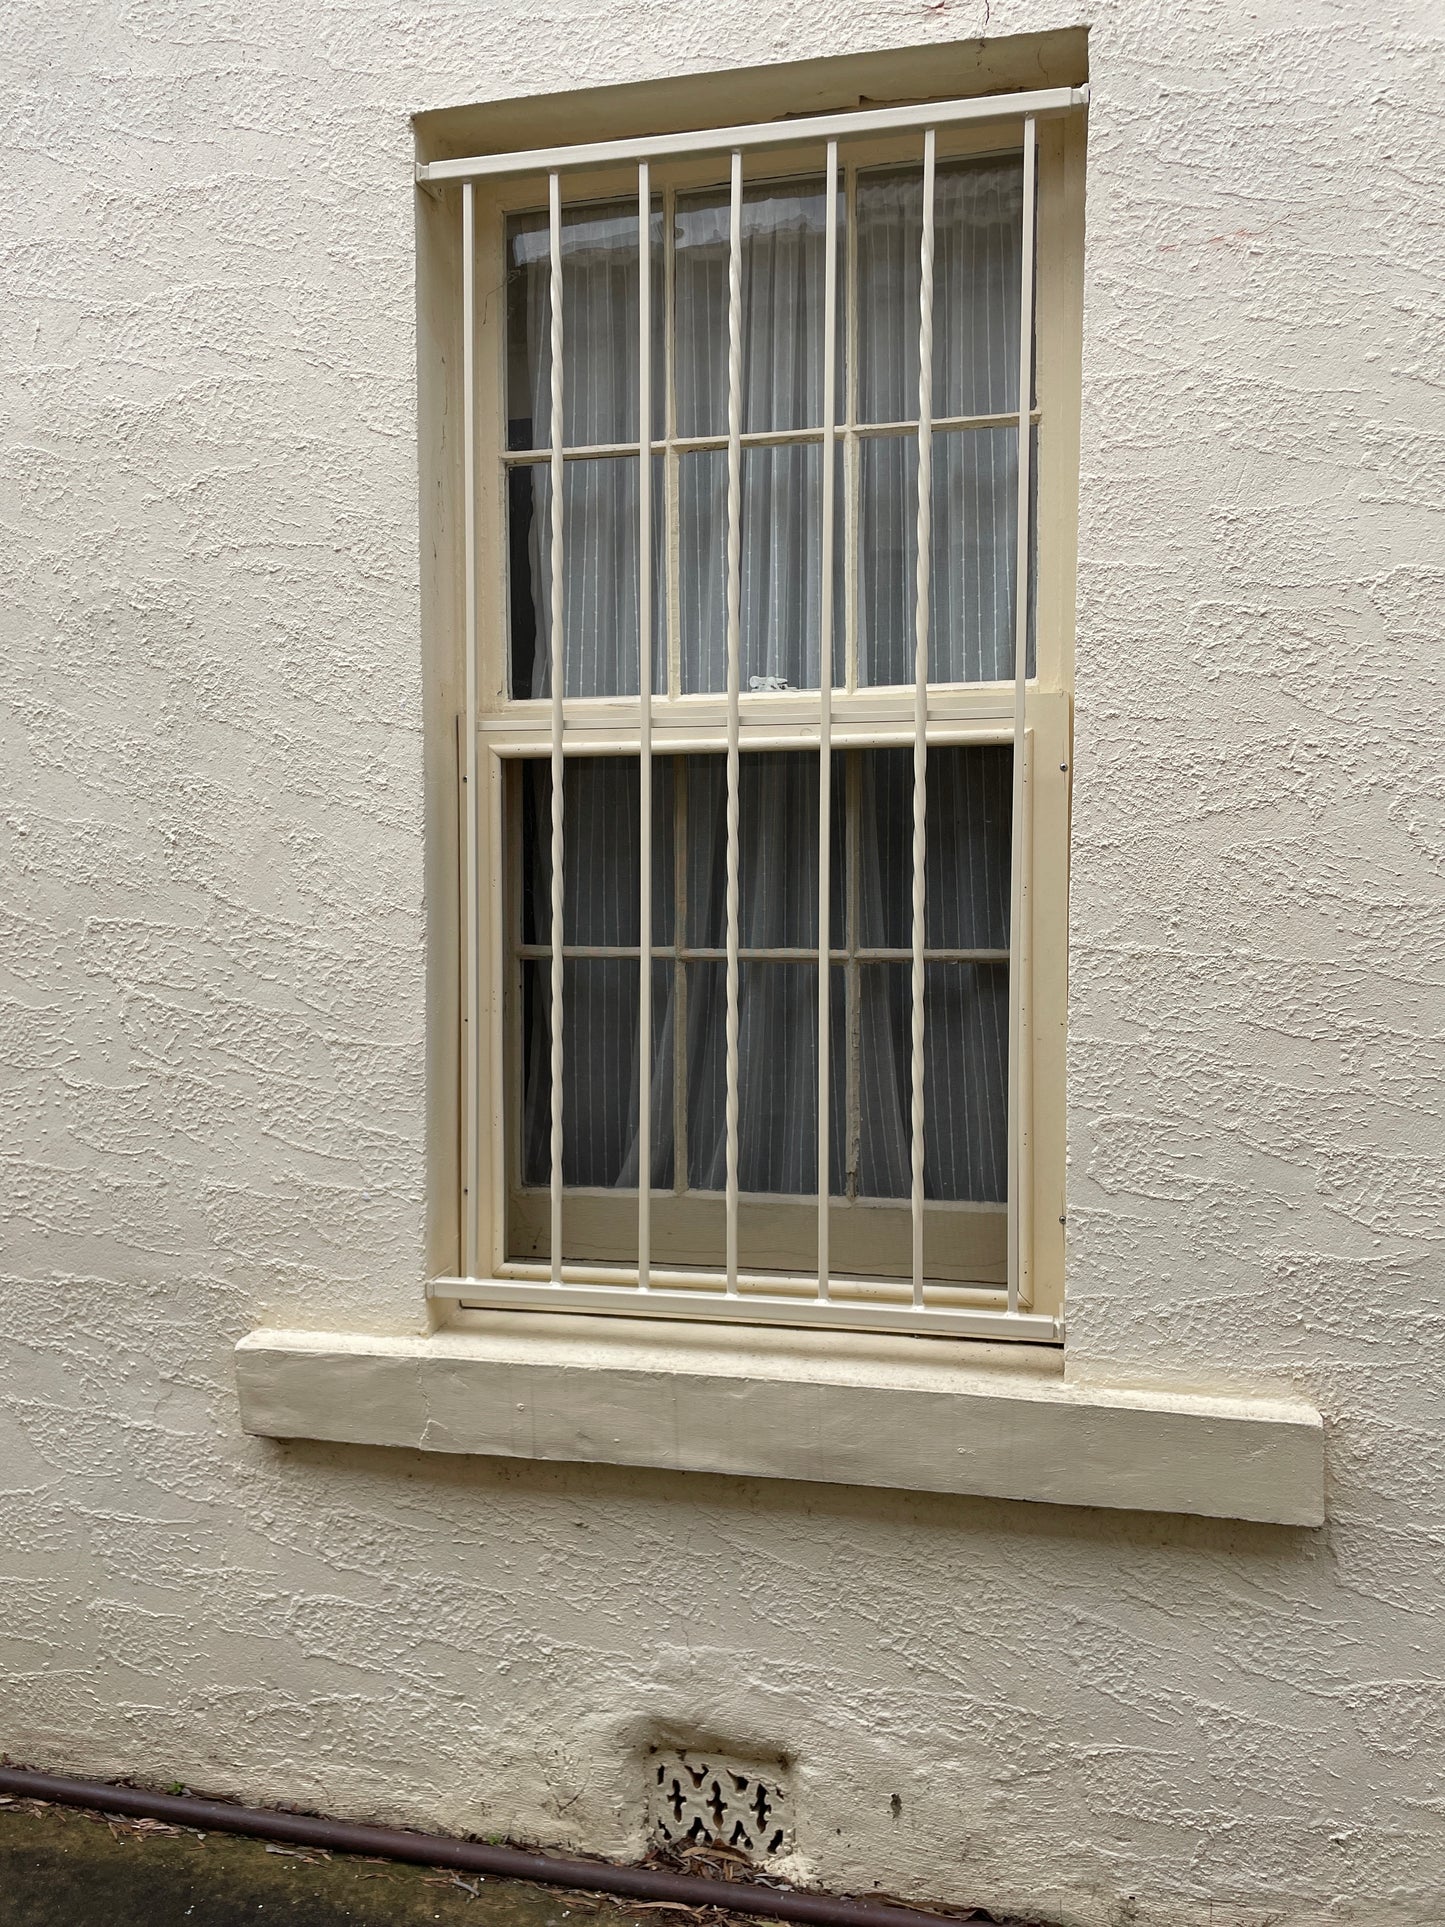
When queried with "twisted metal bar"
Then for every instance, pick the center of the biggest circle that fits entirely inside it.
(558, 682)
(920, 697)
(644, 695)
(825, 704)
(734, 680)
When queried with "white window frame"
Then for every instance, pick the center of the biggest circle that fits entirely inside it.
(1034, 711)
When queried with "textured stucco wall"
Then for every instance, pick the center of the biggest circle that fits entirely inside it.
(211, 997)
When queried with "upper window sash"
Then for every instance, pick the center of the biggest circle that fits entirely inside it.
(864, 443)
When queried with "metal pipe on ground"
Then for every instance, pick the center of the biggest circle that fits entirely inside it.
(469, 1856)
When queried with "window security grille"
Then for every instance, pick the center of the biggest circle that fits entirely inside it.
(761, 885)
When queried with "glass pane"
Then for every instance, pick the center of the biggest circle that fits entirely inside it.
(702, 540)
(599, 1073)
(781, 567)
(777, 850)
(973, 557)
(599, 578)
(783, 233)
(782, 548)
(968, 814)
(965, 1082)
(837, 1081)
(882, 1153)
(599, 314)
(978, 234)
(601, 850)
(777, 1077)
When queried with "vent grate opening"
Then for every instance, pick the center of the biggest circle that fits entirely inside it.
(707, 1800)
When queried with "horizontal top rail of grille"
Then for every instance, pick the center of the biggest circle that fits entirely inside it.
(1040, 105)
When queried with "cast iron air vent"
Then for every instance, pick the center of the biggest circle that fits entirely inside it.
(708, 1800)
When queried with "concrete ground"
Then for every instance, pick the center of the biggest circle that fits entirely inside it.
(62, 1868)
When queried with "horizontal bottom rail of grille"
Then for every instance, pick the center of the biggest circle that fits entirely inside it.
(853, 1304)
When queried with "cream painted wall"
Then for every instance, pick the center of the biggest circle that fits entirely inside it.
(211, 998)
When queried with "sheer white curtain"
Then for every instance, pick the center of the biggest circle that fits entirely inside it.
(978, 236)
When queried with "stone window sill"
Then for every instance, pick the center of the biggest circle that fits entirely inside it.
(916, 1414)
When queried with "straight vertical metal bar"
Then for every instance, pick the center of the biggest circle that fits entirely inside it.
(825, 702)
(644, 736)
(672, 550)
(671, 473)
(852, 969)
(679, 975)
(734, 683)
(558, 690)
(920, 695)
(471, 931)
(1020, 1013)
